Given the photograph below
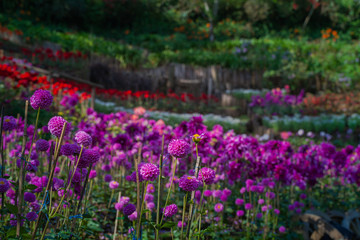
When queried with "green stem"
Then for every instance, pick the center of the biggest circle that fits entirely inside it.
(172, 180)
(159, 189)
(141, 209)
(183, 216)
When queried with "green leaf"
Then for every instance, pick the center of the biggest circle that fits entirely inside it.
(12, 208)
(168, 225)
(11, 232)
(31, 187)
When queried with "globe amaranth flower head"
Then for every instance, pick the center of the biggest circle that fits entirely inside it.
(206, 175)
(149, 171)
(56, 125)
(31, 216)
(88, 156)
(4, 185)
(41, 99)
(9, 123)
(170, 210)
(83, 139)
(189, 183)
(70, 149)
(42, 145)
(179, 148)
(29, 197)
(129, 209)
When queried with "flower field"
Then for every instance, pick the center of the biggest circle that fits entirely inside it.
(179, 120)
(81, 174)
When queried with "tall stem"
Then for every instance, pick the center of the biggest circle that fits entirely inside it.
(83, 190)
(137, 161)
(22, 172)
(159, 188)
(197, 166)
(183, 216)
(168, 195)
(141, 209)
(117, 218)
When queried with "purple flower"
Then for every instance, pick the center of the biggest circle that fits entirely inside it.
(4, 185)
(41, 99)
(259, 215)
(133, 216)
(170, 210)
(35, 206)
(206, 175)
(83, 139)
(248, 206)
(129, 209)
(56, 124)
(282, 229)
(42, 145)
(92, 155)
(276, 211)
(219, 207)
(189, 183)
(261, 201)
(149, 172)
(207, 193)
(181, 224)
(150, 188)
(9, 123)
(107, 178)
(179, 148)
(264, 208)
(92, 174)
(70, 149)
(31, 216)
(113, 184)
(29, 197)
(239, 201)
(303, 196)
(240, 213)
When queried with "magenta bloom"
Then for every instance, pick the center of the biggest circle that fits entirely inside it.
(219, 207)
(113, 184)
(282, 229)
(31, 216)
(207, 193)
(9, 123)
(92, 174)
(42, 145)
(239, 201)
(149, 172)
(83, 139)
(248, 206)
(150, 188)
(41, 99)
(240, 213)
(29, 197)
(170, 210)
(276, 211)
(4, 185)
(129, 209)
(179, 148)
(181, 224)
(133, 216)
(56, 125)
(189, 183)
(206, 175)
